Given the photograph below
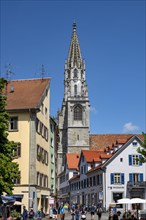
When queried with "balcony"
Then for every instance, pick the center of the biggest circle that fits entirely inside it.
(136, 184)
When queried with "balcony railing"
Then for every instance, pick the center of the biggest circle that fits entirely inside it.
(136, 184)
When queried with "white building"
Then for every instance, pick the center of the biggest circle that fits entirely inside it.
(107, 177)
(124, 175)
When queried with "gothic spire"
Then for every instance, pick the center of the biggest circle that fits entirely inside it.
(74, 56)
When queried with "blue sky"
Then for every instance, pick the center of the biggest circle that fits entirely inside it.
(112, 40)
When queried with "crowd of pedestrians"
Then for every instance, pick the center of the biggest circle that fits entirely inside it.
(80, 212)
(128, 215)
(31, 214)
(77, 212)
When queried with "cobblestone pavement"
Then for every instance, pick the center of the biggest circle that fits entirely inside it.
(88, 217)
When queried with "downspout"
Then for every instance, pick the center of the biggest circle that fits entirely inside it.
(29, 161)
(104, 187)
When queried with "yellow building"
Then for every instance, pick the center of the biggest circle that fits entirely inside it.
(28, 103)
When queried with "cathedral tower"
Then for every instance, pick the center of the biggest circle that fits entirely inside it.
(73, 118)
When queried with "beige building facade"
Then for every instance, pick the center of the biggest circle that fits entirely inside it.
(28, 103)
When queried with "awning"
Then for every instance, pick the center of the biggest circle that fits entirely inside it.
(8, 199)
(18, 196)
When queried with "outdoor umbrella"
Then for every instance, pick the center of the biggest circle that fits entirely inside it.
(124, 201)
(18, 203)
(137, 201)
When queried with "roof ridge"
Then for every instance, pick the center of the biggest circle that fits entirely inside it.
(18, 80)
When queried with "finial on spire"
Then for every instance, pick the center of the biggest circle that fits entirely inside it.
(74, 26)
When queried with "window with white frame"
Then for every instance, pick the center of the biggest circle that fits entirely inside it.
(134, 160)
(41, 179)
(117, 178)
(13, 123)
(52, 158)
(17, 151)
(46, 157)
(38, 178)
(51, 142)
(45, 181)
(52, 174)
(17, 180)
(135, 177)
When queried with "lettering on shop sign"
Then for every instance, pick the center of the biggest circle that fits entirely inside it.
(118, 187)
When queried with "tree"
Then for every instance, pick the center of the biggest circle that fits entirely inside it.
(142, 149)
(9, 170)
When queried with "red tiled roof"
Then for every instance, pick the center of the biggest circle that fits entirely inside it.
(100, 141)
(121, 141)
(91, 156)
(72, 160)
(105, 156)
(25, 94)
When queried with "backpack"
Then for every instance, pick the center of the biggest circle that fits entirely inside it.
(62, 210)
(92, 209)
(31, 213)
(99, 211)
(54, 211)
(77, 212)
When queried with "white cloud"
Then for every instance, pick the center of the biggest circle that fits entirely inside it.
(130, 127)
(93, 110)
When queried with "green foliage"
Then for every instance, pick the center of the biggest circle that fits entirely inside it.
(9, 170)
(15, 214)
(142, 149)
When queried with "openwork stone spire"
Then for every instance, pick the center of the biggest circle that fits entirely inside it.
(74, 56)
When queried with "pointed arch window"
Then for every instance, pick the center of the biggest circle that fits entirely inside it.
(75, 90)
(78, 113)
(68, 74)
(75, 73)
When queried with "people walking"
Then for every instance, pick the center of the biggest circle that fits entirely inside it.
(99, 212)
(24, 214)
(61, 212)
(72, 213)
(54, 213)
(116, 215)
(92, 211)
(31, 214)
(77, 213)
(83, 214)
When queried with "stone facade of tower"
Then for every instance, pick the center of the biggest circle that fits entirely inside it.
(73, 119)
